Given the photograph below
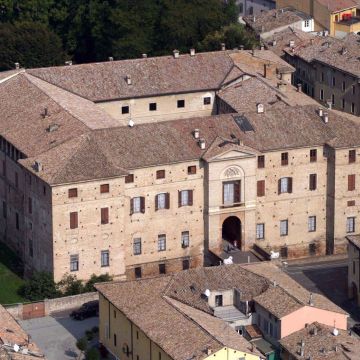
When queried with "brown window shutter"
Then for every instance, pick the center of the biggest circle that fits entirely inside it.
(179, 198)
(312, 181)
(73, 220)
(351, 182)
(73, 193)
(279, 186)
(190, 197)
(104, 215)
(142, 204)
(167, 201)
(290, 185)
(104, 188)
(156, 203)
(261, 188)
(131, 206)
(237, 192)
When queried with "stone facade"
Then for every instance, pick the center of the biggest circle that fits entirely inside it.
(354, 269)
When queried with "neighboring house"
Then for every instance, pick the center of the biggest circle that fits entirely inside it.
(254, 7)
(203, 313)
(271, 22)
(81, 193)
(318, 341)
(354, 268)
(338, 17)
(15, 344)
(328, 70)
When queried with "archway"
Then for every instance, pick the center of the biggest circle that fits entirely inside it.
(231, 231)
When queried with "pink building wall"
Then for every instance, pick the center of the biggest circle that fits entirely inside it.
(307, 315)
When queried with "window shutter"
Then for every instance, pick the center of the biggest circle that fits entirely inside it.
(131, 206)
(190, 197)
(351, 182)
(142, 204)
(73, 220)
(279, 186)
(290, 185)
(261, 188)
(156, 203)
(179, 198)
(167, 201)
(104, 215)
(237, 191)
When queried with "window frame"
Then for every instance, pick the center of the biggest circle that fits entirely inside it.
(185, 239)
(105, 255)
(104, 188)
(261, 161)
(312, 182)
(284, 159)
(153, 106)
(352, 156)
(161, 242)
(160, 174)
(284, 222)
(260, 231)
(72, 193)
(192, 169)
(207, 100)
(350, 224)
(74, 259)
(104, 215)
(312, 223)
(137, 246)
(129, 178)
(125, 109)
(181, 103)
(313, 155)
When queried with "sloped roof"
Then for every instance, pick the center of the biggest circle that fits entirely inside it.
(338, 5)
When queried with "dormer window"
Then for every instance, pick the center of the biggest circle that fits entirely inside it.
(218, 300)
(125, 109)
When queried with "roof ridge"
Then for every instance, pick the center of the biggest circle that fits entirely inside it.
(21, 71)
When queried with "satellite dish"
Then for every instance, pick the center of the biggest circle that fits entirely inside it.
(16, 348)
(131, 123)
(207, 292)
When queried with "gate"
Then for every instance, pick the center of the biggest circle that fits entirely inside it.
(33, 310)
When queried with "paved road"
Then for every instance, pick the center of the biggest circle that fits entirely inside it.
(56, 336)
(328, 278)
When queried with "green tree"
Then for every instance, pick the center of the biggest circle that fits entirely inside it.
(82, 345)
(39, 287)
(70, 285)
(89, 286)
(92, 354)
(30, 44)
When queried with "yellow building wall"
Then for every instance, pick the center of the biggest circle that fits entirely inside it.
(230, 354)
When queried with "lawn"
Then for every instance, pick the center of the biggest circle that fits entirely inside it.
(11, 271)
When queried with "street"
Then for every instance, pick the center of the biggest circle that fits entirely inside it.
(328, 278)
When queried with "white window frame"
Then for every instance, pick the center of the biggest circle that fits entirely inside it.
(284, 185)
(284, 227)
(105, 258)
(312, 223)
(229, 193)
(185, 239)
(350, 224)
(161, 201)
(184, 197)
(260, 231)
(137, 246)
(136, 204)
(74, 259)
(162, 242)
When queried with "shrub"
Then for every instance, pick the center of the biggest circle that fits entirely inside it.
(89, 286)
(70, 285)
(92, 354)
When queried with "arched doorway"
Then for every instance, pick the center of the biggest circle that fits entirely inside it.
(231, 231)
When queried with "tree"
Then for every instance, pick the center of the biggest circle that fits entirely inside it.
(39, 287)
(70, 285)
(89, 286)
(82, 345)
(92, 354)
(30, 44)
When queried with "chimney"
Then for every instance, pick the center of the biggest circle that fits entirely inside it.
(269, 71)
(274, 43)
(312, 41)
(291, 43)
(326, 117)
(241, 47)
(196, 133)
(202, 144)
(262, 47)
(343, 51)
(315, 331)
(111, 58)
(299, 87)
(254, 18)
(68, 63)
(192, 52)
(329, 104)
(320, 112)
(38, 166)
(176, 53)
(128, 79)
(208, 351)
(17, 66)
(282, 86)
(223, 47)
(144, 56)
(302, 348)
(260, 108)
(311, 303)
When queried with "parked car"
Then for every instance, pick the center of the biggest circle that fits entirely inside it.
(356, 329)
(86, 310)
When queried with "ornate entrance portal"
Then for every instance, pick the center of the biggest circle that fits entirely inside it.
(231, 231)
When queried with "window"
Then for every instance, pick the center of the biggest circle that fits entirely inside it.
(218, 300)
(261, 188)
(129, 178)
(185, 198)
(261, 161)
(352, 108)
(231, 192)
(312, 249)
(307, 23)
(73, 220)
(186, 264)
(115, 341)
(137, 246)
(350, 224)
(313, 155)
(284, 159)
(285, 185)
(192, 170)
(137, 205)
(30, 205)
(351, 182)
(105, 258)
(207, 100)
(4, 208)
(104, 216)
(16, 180)
(333, 81)
(160, 174)
(152, 106)
(352, 156)
(125, 109)
(181, 103)
(343, 86)
(322, 76)
(351, 203)
(284, 230)
(137, 271)
(4, 168)
(312, 223)
(162, 269)
(284, 252)
(72, 193)
(353, 89)
(31, 248)
(185, 239)
(104, 188)
(74, 262)
(17, 222)
(162, 242)
(260, 231)
(312, 182)
(162, 201)
(343, 103)
(321, 94)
